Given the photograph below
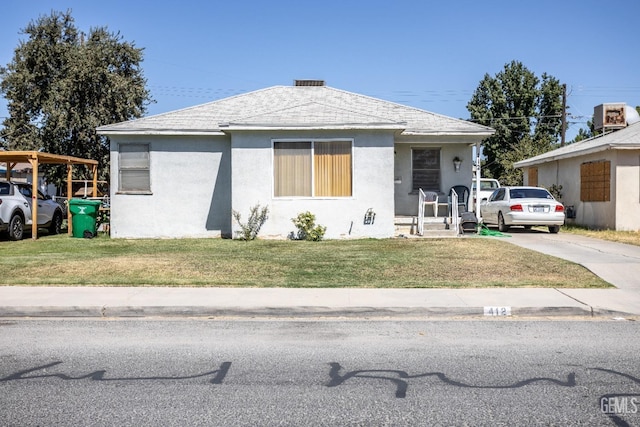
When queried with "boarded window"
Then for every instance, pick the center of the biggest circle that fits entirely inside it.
(312, 169)
(425, 166)
(595, 181)
(533, 177)
(133, 168)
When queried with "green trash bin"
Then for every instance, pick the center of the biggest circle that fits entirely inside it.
(83, 217)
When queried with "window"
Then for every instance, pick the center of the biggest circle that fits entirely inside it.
(133, 172)
(25, 190)
(312, 169)
(595, 181)
(425, 165)
(497, 195)
(533, 177)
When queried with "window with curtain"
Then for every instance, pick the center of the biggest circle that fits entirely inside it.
(133, 168)
(425, 167)
(312, 169)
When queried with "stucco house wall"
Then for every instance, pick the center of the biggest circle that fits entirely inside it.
(627, 192)
(372, 185)
(567, 173)
(190, 189)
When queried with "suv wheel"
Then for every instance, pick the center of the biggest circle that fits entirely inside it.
(56, 223)
(16, 227)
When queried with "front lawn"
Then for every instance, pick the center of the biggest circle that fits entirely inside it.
(472, 262)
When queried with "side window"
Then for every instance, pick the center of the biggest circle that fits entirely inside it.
(498, 195)
(25, 191)
(134, 169)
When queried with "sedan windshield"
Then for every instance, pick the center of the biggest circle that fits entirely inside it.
(529, 193)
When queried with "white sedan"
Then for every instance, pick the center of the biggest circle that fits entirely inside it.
(522, 206)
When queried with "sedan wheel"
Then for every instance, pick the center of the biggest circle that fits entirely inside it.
(16, 227)
(501, 225)
(553, 229)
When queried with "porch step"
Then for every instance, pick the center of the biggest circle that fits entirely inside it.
(407, 226)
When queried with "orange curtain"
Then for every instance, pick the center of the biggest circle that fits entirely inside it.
(332, 167)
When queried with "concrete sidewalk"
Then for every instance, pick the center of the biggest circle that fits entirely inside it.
(616, 263)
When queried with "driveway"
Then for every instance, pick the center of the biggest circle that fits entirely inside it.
(617, 263)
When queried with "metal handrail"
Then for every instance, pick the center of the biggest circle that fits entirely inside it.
(455, 212)
(421, 197)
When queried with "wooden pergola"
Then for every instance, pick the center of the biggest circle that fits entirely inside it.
(35, 158)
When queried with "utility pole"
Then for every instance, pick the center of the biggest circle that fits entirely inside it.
(564, 115)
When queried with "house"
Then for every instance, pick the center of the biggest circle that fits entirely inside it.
(600, 178)
(354, 161)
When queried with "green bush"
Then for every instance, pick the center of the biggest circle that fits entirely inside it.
(307, 228)
(257, 217)
(556, 191)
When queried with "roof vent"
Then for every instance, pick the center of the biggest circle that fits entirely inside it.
(308, 82)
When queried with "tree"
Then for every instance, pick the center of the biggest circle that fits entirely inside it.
(61, 85)
(584, 134)
(526, 113)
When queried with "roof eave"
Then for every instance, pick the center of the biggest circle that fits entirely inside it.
(563, 156)
(484, 134)
(166, 132)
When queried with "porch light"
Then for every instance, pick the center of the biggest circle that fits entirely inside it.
(456, 163)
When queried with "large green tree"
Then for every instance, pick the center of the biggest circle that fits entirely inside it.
(62, 84)
(525, 111)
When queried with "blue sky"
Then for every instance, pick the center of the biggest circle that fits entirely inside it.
(422, 53)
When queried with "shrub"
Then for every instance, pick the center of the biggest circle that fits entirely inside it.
(556, 191)
(257, 217)
(307, 228)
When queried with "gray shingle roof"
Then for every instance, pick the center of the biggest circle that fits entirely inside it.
(290, 107)
(627, 138)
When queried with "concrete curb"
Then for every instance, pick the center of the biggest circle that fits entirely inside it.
(293, 312)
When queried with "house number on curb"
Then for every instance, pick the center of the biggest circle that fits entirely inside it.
(497, 311)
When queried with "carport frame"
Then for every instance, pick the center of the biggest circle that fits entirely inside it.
(11, 158)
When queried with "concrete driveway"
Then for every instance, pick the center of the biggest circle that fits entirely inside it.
(617, 263)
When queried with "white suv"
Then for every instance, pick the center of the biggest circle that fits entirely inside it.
(15, 210)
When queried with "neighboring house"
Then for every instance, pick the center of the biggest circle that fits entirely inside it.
(339, 155)
(600, 178)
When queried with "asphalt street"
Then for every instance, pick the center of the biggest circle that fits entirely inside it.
(318, 373)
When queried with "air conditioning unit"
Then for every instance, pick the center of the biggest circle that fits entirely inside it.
(610, 116)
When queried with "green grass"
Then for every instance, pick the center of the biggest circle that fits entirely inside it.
(472, 262)
(628, 237)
